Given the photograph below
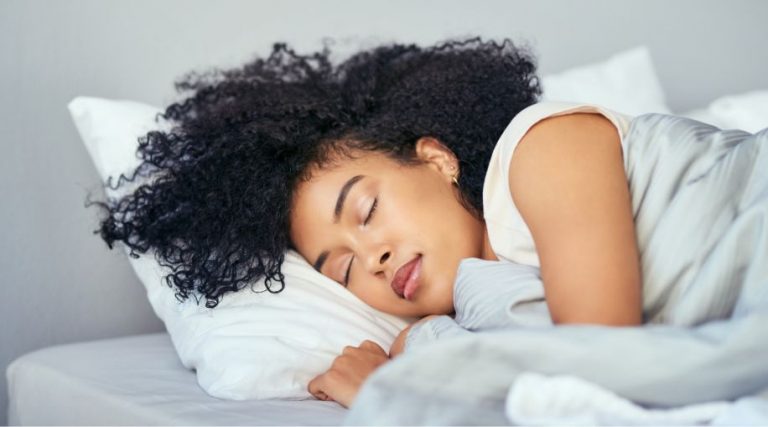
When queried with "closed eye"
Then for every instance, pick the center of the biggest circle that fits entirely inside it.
(373, 209)
(367, 220)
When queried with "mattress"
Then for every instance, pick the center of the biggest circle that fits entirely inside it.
(136, 380)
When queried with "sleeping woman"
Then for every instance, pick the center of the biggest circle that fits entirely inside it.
(384, 172)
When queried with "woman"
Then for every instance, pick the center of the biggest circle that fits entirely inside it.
(384, 172)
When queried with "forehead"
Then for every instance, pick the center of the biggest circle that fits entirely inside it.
(331, 177)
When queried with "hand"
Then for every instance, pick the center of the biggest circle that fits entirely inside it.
(348, 371)
(398, 346)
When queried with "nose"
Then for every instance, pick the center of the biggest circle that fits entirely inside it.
(376, 261)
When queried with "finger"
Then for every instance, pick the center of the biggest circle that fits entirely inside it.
(340, 388)
(372, 346)
(396, 349)
(340, 362)
(316, 386)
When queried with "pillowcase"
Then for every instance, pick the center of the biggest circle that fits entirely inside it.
(705, 116)
(252, 345)
(625, 82)
(747, 111)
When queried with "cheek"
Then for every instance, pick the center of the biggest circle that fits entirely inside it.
(440, 225)
(379, 296)
(424, 208)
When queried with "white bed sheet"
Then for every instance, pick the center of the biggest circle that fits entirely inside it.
(136, 380)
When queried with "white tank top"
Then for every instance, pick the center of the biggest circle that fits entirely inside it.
(508, 234)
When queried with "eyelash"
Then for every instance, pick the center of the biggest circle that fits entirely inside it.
(373, 209)
(370, 215)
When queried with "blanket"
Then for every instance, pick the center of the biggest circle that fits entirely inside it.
(700, 206)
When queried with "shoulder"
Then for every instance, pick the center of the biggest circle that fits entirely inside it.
(581, 128)
(568, 182)
(564, 145)
(563, 157)
(546, 119)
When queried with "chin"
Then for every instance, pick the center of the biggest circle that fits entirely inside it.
(440, 308)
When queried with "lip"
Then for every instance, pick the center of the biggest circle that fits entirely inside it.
(413, 281)
(405, 281)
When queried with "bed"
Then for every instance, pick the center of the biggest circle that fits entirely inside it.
(146, 380)
(136, 380)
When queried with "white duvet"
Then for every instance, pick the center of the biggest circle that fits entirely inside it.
(700, 202)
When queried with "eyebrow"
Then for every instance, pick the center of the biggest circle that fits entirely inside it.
(337, 214)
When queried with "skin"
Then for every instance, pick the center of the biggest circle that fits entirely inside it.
(402, 227)
(567, 180)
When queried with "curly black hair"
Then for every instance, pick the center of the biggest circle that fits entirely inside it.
(216, 210)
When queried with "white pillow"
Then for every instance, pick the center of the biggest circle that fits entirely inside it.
(747, 111)
(705, 116)
(252, 345)
(625, 82)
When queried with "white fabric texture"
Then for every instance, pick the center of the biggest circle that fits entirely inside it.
(705, 116)
(705, 299)
(508, 233)
(136, 380)
(625, 82)
(536, 399)
(252, 345)
(746, 111)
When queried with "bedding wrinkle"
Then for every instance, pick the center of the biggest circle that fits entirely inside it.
(700, 203)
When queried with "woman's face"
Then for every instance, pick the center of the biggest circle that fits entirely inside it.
(417, 216)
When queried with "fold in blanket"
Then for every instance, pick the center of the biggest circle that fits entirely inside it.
(700, 204)
(536, 399)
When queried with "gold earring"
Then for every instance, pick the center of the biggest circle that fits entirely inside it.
(456, 179)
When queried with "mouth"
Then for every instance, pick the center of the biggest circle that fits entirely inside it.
(406, 281)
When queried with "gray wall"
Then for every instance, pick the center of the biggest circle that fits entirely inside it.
(60, 284)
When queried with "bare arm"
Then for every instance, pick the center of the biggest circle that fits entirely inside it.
(568, 181)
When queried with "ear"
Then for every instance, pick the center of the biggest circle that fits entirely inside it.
(438, 155)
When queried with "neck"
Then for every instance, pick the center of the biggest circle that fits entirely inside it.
(487, 252)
